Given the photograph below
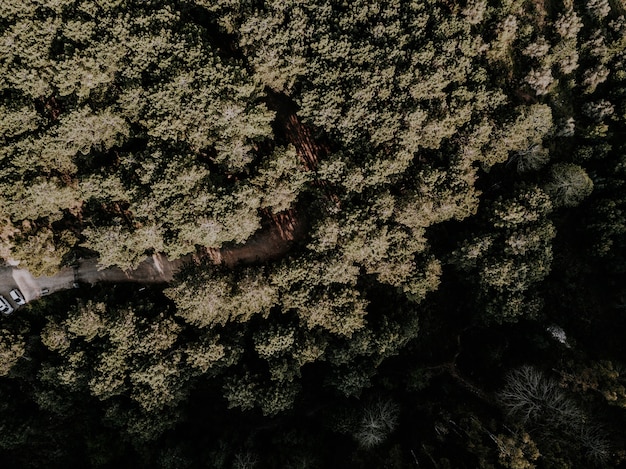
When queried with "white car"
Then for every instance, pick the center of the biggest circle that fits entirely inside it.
(18, 297)
(5, 307)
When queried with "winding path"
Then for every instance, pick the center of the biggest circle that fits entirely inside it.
(270, 243)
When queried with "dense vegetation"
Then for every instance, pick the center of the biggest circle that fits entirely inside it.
(454, 298)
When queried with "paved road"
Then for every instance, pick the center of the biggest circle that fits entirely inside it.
(270, 243)
(155, 269)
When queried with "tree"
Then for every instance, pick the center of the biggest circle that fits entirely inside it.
(116, 91)
(518, 451)
(537, 403)
(511, 256)
(530, 159)
(531, 125)
(530, 397)
(112, 352)
(602, 376)
(213, 297)
(12, 348)
(378, 420)
(540, 81)
(506, 35)
(52, 249)
(569, 184)
(281, 179)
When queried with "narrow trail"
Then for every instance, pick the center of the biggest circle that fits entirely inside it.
(289, 128)
(271, 243)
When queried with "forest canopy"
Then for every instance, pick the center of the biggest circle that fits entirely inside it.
(423, 203)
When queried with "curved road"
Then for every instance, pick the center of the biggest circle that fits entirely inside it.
(268, 244)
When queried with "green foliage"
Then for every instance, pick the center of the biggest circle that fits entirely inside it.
(281, 179)
(517, 452)
(11, 350)
(514, 254)
(119, 247)
(52, 249)
(373, 77)
(248, 391)
(604, 377)
(532, 124)
(404, 196)
(90, 90)
(210, 297)
(109, 351)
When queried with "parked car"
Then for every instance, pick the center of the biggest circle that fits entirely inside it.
(5, 307)
(17, 296)
(45, 291)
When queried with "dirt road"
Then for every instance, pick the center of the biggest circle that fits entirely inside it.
(155, 269)
(268, 244)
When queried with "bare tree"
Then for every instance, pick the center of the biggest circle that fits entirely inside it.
(539, 404)
(596, 444)
(569, 184)
(530, 397)
(379, 420)
(245, 460)
(530, 159)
